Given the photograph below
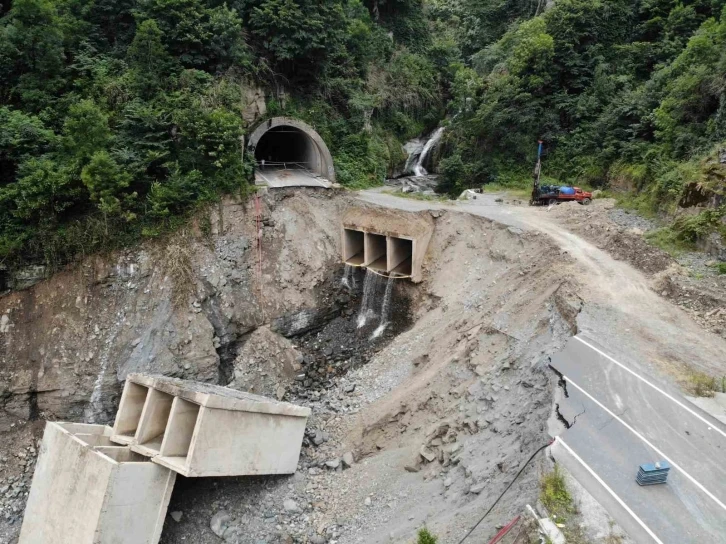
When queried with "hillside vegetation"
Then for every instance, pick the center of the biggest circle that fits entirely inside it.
(119, 117)
(623, 93)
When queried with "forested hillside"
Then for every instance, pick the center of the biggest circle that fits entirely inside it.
(623, 93)
(118, 117)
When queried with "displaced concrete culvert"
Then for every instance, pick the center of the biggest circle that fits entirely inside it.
(446, 402)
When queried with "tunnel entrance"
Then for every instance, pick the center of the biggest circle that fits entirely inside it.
(289, 152)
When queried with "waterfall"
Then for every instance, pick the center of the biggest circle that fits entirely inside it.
(419, 169)
(385, 309)
(370, 286)
(348, 279)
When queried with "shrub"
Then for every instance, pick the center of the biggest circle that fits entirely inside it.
(554, 494)
(701, 384)
(425, 537)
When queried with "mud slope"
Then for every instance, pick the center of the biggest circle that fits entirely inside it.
(181, 306)
(467, 385)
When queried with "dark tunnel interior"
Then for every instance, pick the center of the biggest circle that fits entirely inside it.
(285, 144)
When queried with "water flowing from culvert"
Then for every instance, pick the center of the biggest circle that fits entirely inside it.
(419, 169)
(370, 287)
(385, 310)
(348, 279)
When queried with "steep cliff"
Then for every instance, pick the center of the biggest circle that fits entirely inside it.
(178, 306)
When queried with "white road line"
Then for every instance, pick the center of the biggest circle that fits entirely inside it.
(269, 183)
(659, 452)
(607, 488)
(679, 403)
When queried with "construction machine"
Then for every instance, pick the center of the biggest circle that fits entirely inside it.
(554, 194)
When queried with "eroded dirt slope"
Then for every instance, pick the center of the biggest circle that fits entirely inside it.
(438, 422)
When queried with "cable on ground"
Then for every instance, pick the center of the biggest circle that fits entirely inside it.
(467, 535)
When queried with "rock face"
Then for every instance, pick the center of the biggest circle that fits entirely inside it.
(265, 362)
(68, 342)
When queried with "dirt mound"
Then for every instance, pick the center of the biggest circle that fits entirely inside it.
(615, 232)
(448, 409)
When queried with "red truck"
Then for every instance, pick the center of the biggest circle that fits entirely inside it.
(554, 194)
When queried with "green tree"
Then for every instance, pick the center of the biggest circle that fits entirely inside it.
(21, 137)
(31, 51)
(106, 181)
(85, 130)
(297, 34)
(148, 58)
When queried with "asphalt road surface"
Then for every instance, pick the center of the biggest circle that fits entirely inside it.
(620, 419)
(288, 177)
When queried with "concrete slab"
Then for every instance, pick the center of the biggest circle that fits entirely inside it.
(289, 177)
(198, 429)
(392, 243)
(86, 490)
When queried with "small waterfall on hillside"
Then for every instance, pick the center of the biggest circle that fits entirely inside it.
(370, 286)
(348, 279)
(419, 169)
(385, 309)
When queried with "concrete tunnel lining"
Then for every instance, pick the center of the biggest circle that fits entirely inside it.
(284, 140)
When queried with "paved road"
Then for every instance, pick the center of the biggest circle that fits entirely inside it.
(620, 419)
(289, 177)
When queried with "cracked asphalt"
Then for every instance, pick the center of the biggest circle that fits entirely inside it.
(653, 337)
(615, 422)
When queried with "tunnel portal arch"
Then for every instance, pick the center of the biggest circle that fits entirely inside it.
(291, 142)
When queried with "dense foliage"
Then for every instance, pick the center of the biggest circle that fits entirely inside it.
(623, 92)
(119, 116)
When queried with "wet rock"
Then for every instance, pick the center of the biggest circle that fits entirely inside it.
(303, 321)
(220, 522)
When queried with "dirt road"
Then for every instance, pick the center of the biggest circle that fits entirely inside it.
(620, 416)
(622, 311)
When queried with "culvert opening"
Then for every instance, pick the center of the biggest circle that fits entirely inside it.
(376, 252)
(353, 242)
(400, 256)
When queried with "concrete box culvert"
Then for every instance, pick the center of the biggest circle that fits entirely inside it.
(87, 490)
(389, 242)
(199, 429)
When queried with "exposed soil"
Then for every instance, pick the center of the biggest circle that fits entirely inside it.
(448, 410)
(686, 281)
(423, 425)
